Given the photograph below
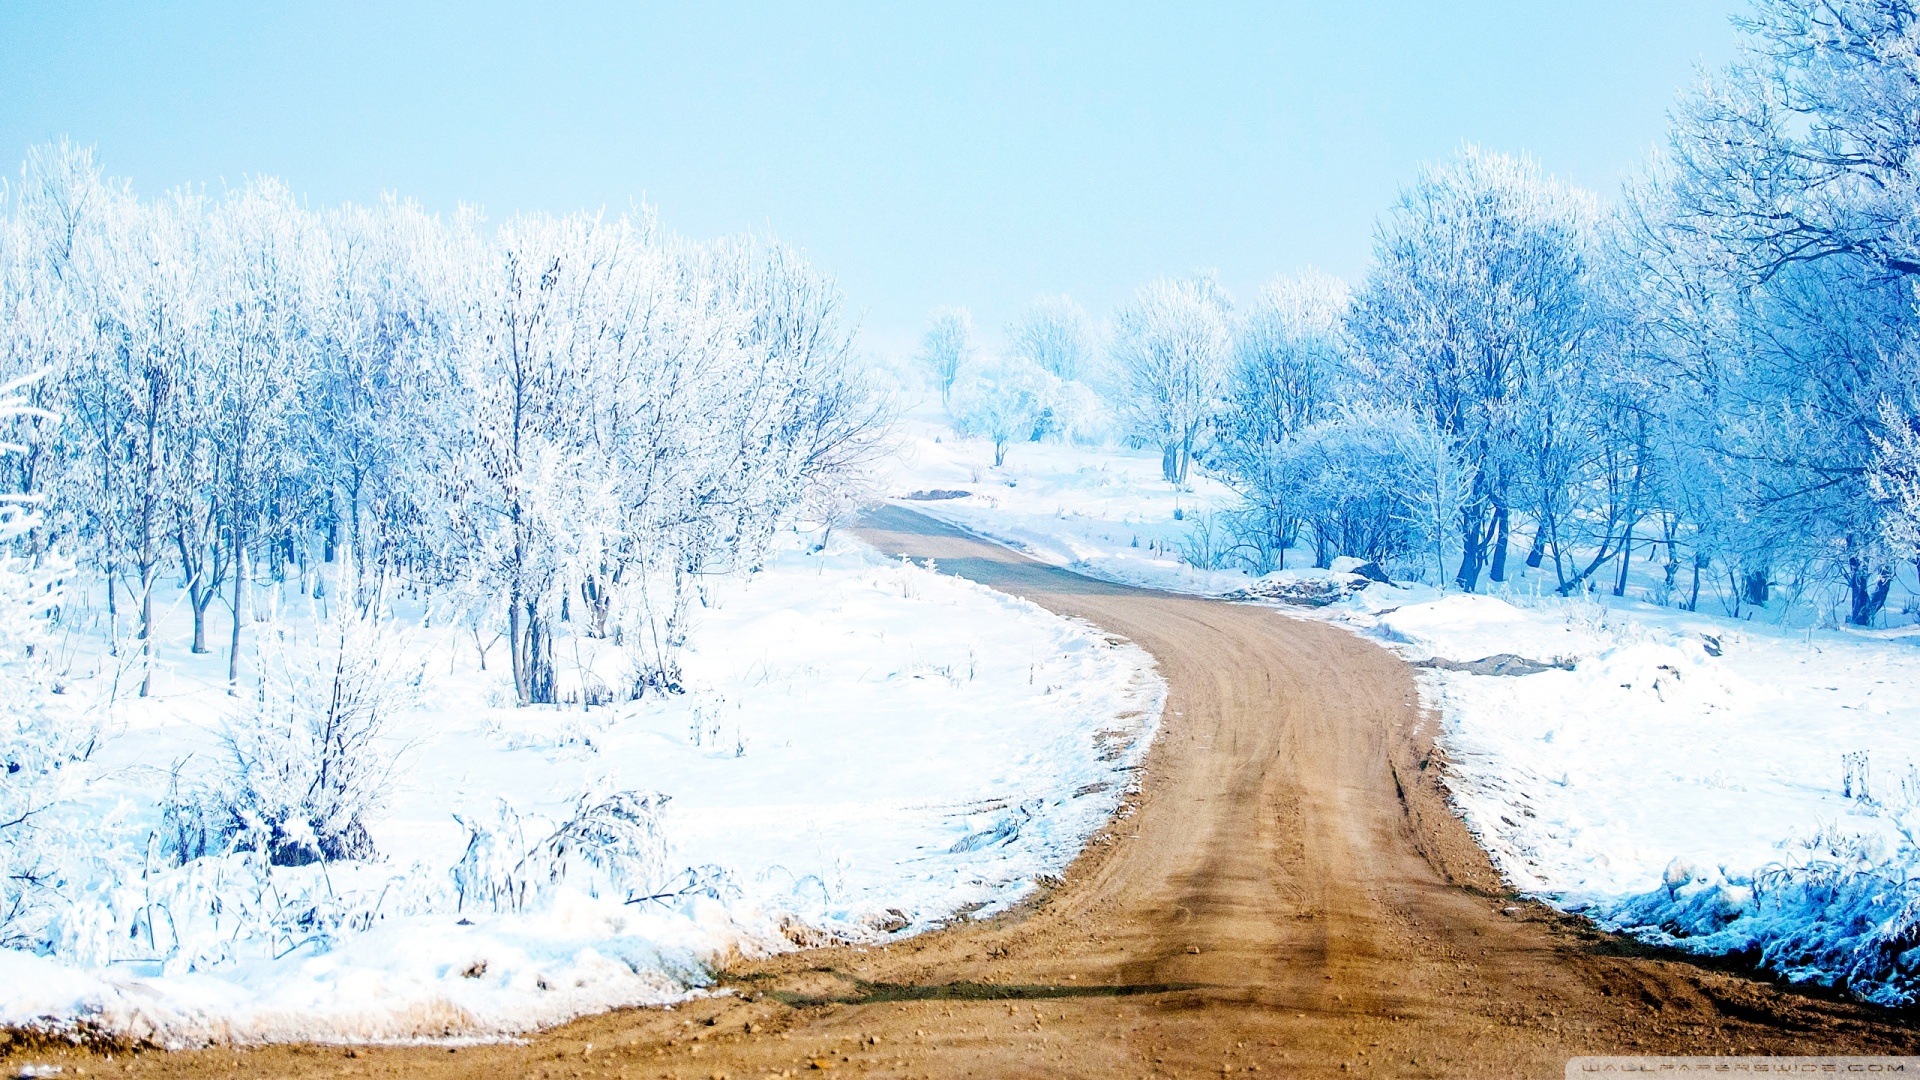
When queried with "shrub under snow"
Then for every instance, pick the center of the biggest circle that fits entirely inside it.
(614, 845)
(309, 762)
(1843, 911)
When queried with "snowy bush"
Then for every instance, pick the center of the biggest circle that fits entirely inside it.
(614, 845)
(1076, 413)
(1260, 534)
(1845, 913)
(218, 909)
(1376, 484)
(1207, 542)
(1054, 336)
(1840, 907)
(1348, 475)
(309, 763)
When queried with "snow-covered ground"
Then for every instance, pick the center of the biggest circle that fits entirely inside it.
(1105, 513)
(1685, 777)
(1681, 776)
(866, 748)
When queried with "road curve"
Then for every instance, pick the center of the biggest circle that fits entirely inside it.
(1288, 893)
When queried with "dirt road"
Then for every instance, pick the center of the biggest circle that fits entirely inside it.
(1288, 894)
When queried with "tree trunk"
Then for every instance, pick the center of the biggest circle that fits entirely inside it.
(356, 546)
(532, 648)
(1672, 567)
(1606, 552)
(199, 620)
(1473, 553)
(239, 600)
(148, 559)
(1538, 552)
(331, 530)
(540, 683)
(1868, 587)
(201, 586)
(597, 599)
(1753, 587)
(1499, 569)
(516, 650)
(1626, 563)
(1170, 462)
(146, 632)
(113, 613)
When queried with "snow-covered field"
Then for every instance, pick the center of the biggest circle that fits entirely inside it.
(1105, 513)
(1713, 784)
(1685, 777)
(865, 748)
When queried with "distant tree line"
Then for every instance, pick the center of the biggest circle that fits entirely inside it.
(1721, 372)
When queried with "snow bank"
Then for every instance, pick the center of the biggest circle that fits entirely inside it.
(865, 749)
(1717, 786)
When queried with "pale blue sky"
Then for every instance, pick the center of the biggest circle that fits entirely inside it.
(970, 154)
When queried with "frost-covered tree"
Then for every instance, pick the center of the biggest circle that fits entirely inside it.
(946, 347)
(1004, 402)
(1802, 149)
(376, 333)
(154, 312)
(1288, 372)
(1895, 480)
(547, 322)
(1053, 334)
(1485, 290)
(557, 426)
(1376, 482)
(61, 316)
(1288, 365)
(43, 300)
(261, 356)
(1780, 243)
(1170, 350)
(753, 344)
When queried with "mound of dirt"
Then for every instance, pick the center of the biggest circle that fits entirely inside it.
(1498, 664)
(1301, 591)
